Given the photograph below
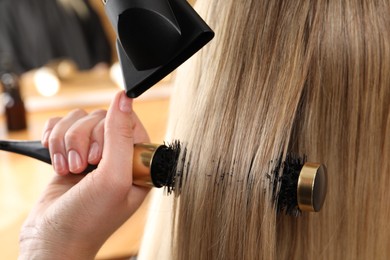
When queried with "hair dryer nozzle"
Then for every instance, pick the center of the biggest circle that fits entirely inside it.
(154, 37)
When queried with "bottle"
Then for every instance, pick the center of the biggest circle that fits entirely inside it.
(15, 111)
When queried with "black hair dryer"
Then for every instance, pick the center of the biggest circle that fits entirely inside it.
(153, 38)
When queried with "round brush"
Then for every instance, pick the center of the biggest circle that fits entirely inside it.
(303, 185)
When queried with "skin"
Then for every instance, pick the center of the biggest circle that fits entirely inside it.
(77, 213)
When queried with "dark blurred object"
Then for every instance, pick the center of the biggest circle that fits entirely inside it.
(15, 111)
(34, 32)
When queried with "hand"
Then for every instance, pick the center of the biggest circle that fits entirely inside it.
(77, 212)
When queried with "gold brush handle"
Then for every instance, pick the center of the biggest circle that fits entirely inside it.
(142, 162)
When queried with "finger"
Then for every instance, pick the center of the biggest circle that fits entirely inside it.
(115, 166)
(56, 140)
(109, 187)
(78, 140)
(97, 143)
(97, 140)
(140, 134)
(47, 130)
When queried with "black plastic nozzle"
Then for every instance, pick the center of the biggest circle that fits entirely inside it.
(154, 37)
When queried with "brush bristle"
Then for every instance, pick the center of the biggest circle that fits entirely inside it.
(165, 174)
(286, 198)
(164, 165)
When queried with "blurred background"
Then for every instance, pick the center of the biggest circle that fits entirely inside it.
(57, 55)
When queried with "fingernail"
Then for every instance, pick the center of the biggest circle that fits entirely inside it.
(74, 161)
(59, 163)
(125, 104)
(93, 152)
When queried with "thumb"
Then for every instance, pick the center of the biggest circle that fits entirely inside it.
(116, 163)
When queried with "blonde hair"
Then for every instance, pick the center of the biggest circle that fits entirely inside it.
(281, 77)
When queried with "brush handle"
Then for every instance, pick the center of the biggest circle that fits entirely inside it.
(33, 149)
(142, 159)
